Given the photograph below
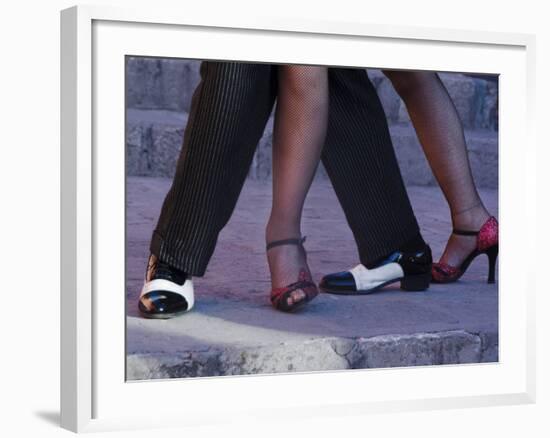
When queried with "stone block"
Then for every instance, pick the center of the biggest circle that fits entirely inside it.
(159, 96)
(155, 137)
(475, 98)
(153, 142)
(416, 349)
(489, 346)
(316, 354)
(260, 169)
(161, 83)
(149, 366)
(482, 146)
(319, 354)
(168, 84)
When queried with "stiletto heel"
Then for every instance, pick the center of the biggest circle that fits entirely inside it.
(492, 254)
(487, 243)
(279, 296)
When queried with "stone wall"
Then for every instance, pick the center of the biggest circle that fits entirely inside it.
(159, 94)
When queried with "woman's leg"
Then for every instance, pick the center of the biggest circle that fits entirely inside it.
(298, 137)
(441, 135)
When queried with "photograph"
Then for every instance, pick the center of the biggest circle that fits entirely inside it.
(291, 218)
(275, 219)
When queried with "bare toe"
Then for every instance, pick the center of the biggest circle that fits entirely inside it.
(298, 295)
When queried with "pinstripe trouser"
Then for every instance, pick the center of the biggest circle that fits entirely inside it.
(229, 111)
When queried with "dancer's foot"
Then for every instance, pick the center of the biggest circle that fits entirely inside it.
(291, 282)
(486, 242)
(460, 246)
(166, 292)
(411, 267)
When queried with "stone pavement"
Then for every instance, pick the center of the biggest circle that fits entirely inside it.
(234, 330)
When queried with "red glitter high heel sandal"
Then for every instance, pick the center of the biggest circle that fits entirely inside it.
(487, 243)
(279, 296)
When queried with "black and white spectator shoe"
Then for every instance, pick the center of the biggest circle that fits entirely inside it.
(412, 269)
(166, 292)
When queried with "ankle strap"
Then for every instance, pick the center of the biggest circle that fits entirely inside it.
(295, 241)
(465, 232)
(473, 233)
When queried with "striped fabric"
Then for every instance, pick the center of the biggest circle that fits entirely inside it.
(361, 163)
(229, 111)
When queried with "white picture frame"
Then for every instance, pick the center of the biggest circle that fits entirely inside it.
(94, 40)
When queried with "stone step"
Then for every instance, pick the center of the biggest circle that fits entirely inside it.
(475, 98)
(233, 328)
(168, 84)
(316, 354)
(161, 83)
(154, 139)
(482, 150)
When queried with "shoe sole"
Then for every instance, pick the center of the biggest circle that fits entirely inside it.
(410, 284)
(358, 292)
(186, 291)
(162, 315)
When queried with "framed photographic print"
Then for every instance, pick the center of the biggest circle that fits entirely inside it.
(197, 155)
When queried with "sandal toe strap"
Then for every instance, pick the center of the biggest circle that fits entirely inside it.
(282, 293)
(445, 269)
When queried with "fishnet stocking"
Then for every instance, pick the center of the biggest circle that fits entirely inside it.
(298, 137)
(441, 135)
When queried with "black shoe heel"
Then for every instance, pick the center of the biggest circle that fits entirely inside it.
(492, 254)
(416, 282)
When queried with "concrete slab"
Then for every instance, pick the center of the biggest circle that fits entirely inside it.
(234, 330)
